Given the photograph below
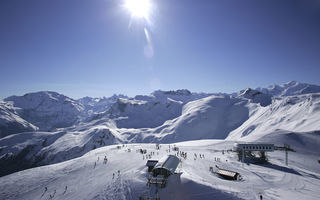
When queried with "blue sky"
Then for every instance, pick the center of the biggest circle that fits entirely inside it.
(87, 48)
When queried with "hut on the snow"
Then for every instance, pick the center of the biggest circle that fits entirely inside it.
(227, 174)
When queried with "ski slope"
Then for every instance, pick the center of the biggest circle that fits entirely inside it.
(298, 113)
(87, 177)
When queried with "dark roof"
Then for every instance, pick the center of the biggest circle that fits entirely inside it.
(226, 173)
(151, 163)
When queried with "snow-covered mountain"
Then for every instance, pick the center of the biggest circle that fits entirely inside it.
(210, 117)
(30, 149)
(300, 113)
(47, 110)
(256, 96)
(161, 117)
(11, 122)
(98, 105)
(200, 119)
(178, 95)
(290, 88)
(150, 111)
(134, 113)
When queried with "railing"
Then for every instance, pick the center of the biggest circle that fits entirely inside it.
(155, 180)
(148, 198)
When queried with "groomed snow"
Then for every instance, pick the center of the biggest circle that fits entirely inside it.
(84, 180)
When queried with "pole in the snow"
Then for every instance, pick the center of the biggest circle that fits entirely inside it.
(242, 155)
(286, 157)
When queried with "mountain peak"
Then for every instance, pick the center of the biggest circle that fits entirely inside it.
(46, 109)
(256, 96)
(292, 83)
(290, 88)
(180, 92)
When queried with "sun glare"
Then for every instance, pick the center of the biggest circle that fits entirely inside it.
(138, 8)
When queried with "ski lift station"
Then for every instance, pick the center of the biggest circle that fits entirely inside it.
(165, 167)
(253, 151)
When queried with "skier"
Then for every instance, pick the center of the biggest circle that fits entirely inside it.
(113, 176)
(54, 193)
(45, 190)
(65, 189)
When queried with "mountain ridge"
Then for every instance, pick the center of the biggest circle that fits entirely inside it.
(176, 116)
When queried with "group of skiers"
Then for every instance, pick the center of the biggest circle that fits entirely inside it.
(149, 156)
(182, 154)
(114, 174)
(51, 196)
(200, 156)
(105, 161)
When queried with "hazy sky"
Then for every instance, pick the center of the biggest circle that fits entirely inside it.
(94, 47)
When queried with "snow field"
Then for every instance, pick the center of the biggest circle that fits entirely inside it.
(194, 181)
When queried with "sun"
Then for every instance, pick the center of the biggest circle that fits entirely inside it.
(138, 8)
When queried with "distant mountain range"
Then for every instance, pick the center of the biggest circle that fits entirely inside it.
(46, 127)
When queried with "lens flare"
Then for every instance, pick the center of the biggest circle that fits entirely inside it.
(138, 8)
(141, 14)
